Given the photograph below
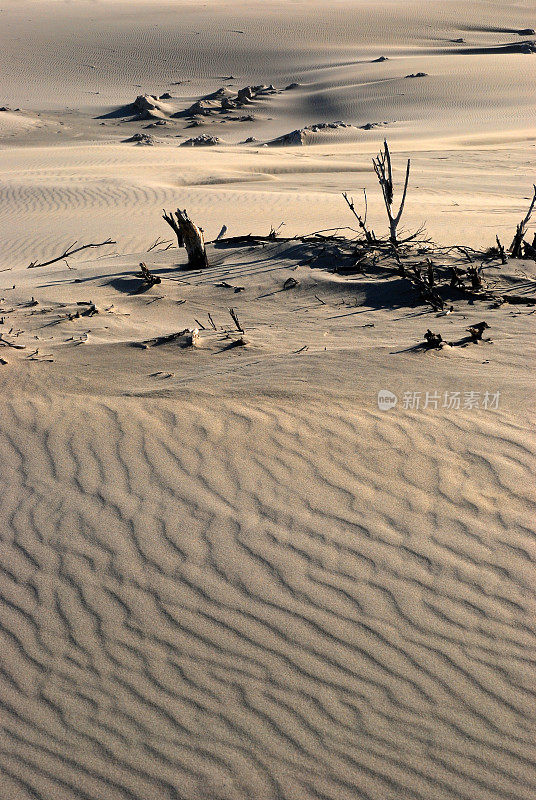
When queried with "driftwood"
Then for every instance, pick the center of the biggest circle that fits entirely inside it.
(159, 242)
(432, 339)
(187, 337)
(529, 250)
(516, 248)
(384, 173)
(7, 343)
(477, 330)
(235, 319)
(69, 252)
(189, 236)
(517, 300)
(147, 277)
(274, 231)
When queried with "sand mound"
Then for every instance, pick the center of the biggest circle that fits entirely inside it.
(149, 107)
(225, 99)
(14, 122)
(142, 139)
(302, 136)
(204, 140)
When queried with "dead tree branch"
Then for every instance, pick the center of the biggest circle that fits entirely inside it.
(362, 221)
(71, 250)
(235, 319)
(189, 236)
(521, 229)
(384, 173)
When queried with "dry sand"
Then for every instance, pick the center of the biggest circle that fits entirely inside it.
(225, 572)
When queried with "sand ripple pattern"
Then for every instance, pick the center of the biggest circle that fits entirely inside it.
(259, 600)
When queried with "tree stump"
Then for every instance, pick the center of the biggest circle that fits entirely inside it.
(189, 236)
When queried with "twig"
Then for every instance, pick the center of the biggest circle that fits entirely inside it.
(69, 252)
(11, 344)
(158, 242)
(361, 220)
(515, 247)
(235, 319)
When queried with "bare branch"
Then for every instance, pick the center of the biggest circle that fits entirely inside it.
(235, 319)
(521, 229)
(361, 220)
(384, 173)
(401, 209)
(69, 252)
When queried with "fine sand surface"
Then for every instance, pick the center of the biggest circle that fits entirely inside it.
(225, 573)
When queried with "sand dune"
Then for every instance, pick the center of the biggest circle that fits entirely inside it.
(220, 578)
(225, 573)
(172, 632)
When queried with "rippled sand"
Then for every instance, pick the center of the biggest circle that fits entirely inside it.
(225, 573)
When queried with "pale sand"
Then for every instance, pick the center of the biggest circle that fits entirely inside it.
(227, 573)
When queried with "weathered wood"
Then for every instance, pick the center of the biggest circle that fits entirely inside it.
(186, 337)
(433, 340)
(69, 252)
(516, 248)
(189, 236)
(501, 251)
(235, 319)
(518, 300)
(147, 277)
(384, 173)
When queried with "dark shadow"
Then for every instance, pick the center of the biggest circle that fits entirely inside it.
(120, 113)
(498, 49)
(496, 29)
(128, 285)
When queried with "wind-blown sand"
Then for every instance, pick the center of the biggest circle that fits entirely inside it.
(224, 571)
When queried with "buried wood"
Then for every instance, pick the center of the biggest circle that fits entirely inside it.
(189, 236)
(147, 277)
(516, 300)
(69, 252)
(7, 343)
(477, 330)
(187, 338)
(235, 319)
(290, 283)
(434, 341)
